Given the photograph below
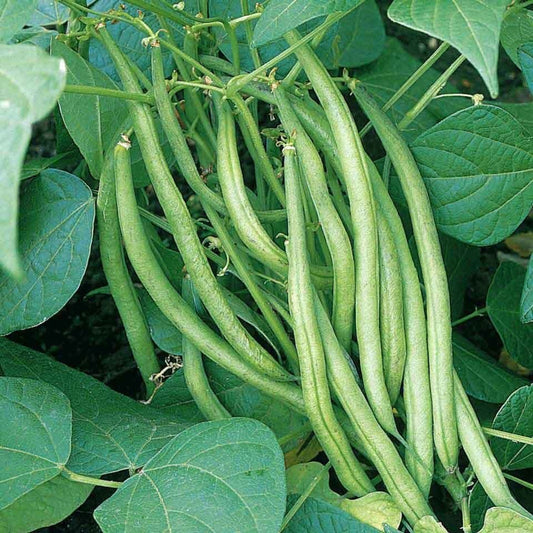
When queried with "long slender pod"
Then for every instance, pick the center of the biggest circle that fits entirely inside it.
(172, 304)
(338, 241)
(118, 278)
(376, 444)
(309, 345)
(478, 451)
(183, 226)
(435, 280)
(353, 164)
(194, 371)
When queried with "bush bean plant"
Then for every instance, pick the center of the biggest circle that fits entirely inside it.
(288, 209)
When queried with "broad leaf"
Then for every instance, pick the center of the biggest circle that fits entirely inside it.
(33, 167)
(239, 398)
(471, 26)
(221, 476)
(479, 504)
(49, 13)
(386, 75)
(44, 506)
(503, 520)
(517, 29)
(110, 432)
(478, 168)
(525, 58)
(30, 83)
(483, 377)
(35, 35)
(36, 423)
(526, 302)
(428, 524)
(13, 15)
(522, 112)
(56, 229)
(321, 516)
(503, 302)
(281, 16)
(94, 122)
(515, 416)
(374, 509)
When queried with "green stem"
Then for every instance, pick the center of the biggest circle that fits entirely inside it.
(508, 436)
(525, 484)
(113, 93)
(474, 314)
(90, 480)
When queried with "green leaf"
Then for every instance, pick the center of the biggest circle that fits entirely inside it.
(503, 520)
(110, 432)
(471, 26)
(525, 58)
(478, 168)
(479, 504)
(48, 13)
(526, 302)
(515, 416)
(33, 167)
(37, 36)
(281, 16)
(320, 516)
(428, 524)
(374, 509)
(483, 377)
(503, 302)
(36, 423)
(30, 83)
(386, 75)
(56, 228)
(13, 15)
(517, 29)
(221, 476)
(44, 506)
(94, 122)
(522, 112)
(239, 398)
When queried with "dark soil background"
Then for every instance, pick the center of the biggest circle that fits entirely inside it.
(87, 333)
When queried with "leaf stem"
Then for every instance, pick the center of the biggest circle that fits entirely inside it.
(79, 478)
(525, 484)
(113, 93)
(474, 314)
(508, 436)
(424, 67)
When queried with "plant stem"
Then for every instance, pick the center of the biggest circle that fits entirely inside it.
(465, 511)
(508, 436)
(474, 314)
(113, 93)
(424, 67)
(90, 480)
(525, 484)
(300, 501)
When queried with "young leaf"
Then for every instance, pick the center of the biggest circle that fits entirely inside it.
(110, 432)
(501, 519)
(471, 26)
(281, 16)
(526, 302)
(374, 509)
(482, 377)
(30, 83)
(36, 423)
(525, 58)
(503, 302)
(517, 29)
(478, 167)
(94, 122)
(515, 416)
(56, 228)
(318, 515)
(13, 15)
(226, 475)
(44, 506)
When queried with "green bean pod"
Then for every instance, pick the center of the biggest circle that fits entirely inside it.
(392, 325)
(309, 345)
(337, 239)
(435, 281)
(172, 304)
(183, 226)
(377, 446)
(118, 278)
(194, 371)
(353, 163)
